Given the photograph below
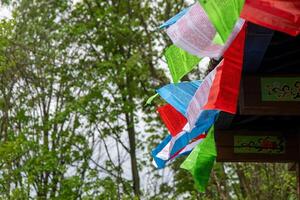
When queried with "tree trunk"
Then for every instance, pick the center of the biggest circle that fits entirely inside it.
(132, 144)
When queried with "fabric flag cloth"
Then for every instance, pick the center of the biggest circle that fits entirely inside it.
(223, 14)
(279, 15)
(149, 101)
(183, 98)
(201, 161)
(175, 122)
(220, 89)
(162, 153)
(179, 95)
(176, 143)
(173, 119)
(180, 62)
(195, 34)
(182, 142)
(174, 19)
(225, 90)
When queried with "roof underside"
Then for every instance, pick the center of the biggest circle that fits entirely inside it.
(266, 52)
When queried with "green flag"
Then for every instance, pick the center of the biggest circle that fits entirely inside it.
(218, 40)
(201, 161)
(149, 101)
(223, 14)
(180, 62)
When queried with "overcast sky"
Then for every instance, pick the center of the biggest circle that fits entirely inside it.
(4, 12)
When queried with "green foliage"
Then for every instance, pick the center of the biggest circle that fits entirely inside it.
(74, 79)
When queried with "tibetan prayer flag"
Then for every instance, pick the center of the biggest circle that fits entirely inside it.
(183, 141)
(223, 14)
(149, 101)
(206, 120)
(195, 34)
(220, 88)
(278, 15)
(176, 144)
(180, 62)
(180, 142)
(179, 95)
(173, 119)
(226, 86)
(162, 154)
(174, 19)
(189, 98)
(201, 161)
(200, 99)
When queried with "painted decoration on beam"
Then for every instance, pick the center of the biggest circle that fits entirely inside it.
(195, 34)
(280, 88)
(259, 144)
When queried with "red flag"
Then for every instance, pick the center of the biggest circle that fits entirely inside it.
(173, 119)
(226, 85)
(280, 15)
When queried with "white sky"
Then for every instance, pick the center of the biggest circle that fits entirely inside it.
(5, 12)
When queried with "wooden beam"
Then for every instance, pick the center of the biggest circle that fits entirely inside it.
(298, 168)
(293, 167)
(225, 148)
(251, 103)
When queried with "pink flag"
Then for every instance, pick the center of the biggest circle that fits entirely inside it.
(195, 33)
(226, 86)
(220, 88)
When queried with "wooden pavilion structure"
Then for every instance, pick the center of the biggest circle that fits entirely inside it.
(267, 125)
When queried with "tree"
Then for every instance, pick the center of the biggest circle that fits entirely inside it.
(79, 76)
(74, 78)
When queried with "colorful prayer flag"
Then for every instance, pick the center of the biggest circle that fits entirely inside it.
(226, 86)
(179, 95)
(162, 153)
(180, 62)
(195, 34)
(223, 14)
(189, 98)
(149, 101)
(282, 16)
(220, 88)
(200, 99)
(183, 141)
(173, 119)
(200, 162)
(174, 19)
